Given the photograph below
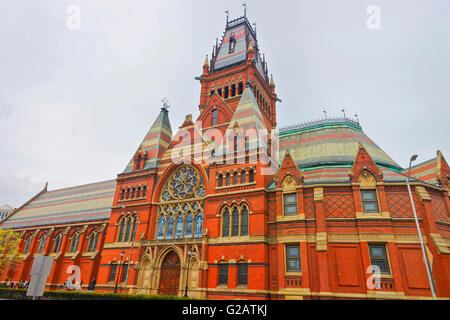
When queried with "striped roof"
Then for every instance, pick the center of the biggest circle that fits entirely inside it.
(330, 142)
(425, 171)
(155, 141)
(89, 202)
(247, 117)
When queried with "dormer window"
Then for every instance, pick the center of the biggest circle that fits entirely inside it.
(232, 43)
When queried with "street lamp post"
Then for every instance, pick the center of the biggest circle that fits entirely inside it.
(187, 274)
(118, 273)
(425, 260)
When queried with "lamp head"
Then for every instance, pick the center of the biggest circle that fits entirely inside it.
(413, 158)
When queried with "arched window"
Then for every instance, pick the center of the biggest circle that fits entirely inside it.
(244, 221)
(122, 225)
(132, 193)
(251, 176)
(243, 177)
(27, 245)
(225, 223)
(235, 143)
(122, 194)
(235, 178)
(181, 198)
(225, 93)
(129, 224)
(246, 144)
(179, 227)
(198, 226)
(160, 234)
(113, 272)
(214, 117)
(233, 90)
(235, 222)
(138, 162)
(188, 225)
(228, 177)
(42, 243)
(219, 91)
(220, 182)
(144, 192)
(242, 273)
(74, 242)
(128, 193)
(169, 231)
(93, 239)
(240, 88)
(212, 92)
(57, 243)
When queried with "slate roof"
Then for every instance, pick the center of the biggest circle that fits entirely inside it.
(243, 33)
(155, 141)
(249, 119)
(89, 202)
(329, 142)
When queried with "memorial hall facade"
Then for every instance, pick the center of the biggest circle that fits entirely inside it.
(233, 207)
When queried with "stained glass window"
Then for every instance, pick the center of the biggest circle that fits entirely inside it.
(181, 196)
(244, 221)
(161, 222)
(188, 226)
(179, 227)
(169, 231)
(198, 225)
(226, 223)
(235, 222)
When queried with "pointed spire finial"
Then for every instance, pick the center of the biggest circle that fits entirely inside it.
(272, 84)
(166, 105)
(245, 8)
(206, 63)
(226, 11)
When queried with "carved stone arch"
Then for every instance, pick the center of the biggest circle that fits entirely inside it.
(367, 179)
(289, 183)
(158, 267)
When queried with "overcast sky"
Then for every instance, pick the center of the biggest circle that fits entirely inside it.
(76, 103)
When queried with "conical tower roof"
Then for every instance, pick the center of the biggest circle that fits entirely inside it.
(155, 141)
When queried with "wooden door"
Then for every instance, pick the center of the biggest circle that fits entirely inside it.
(170, 275)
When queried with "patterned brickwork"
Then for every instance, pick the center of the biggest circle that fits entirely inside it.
(339, 204)
(438, 205)
(309, 205)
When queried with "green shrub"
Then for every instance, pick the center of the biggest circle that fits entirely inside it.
(20, 294)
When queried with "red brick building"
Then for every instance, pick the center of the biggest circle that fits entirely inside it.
(240, 210)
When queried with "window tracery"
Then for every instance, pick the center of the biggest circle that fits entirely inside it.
(181, 205)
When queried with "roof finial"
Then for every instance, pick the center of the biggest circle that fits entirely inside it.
(357, 119)
(227, 16)
(325, 112)
(166, 105)
(272, 84)
(343, 111)
(245, 8)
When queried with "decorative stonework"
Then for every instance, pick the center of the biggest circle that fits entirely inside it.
(318, 194)
(321, 241)
(422, 193)
(366, 179)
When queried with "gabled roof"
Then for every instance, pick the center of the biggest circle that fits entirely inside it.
(155, 141)
(435, 171)
(90, 202)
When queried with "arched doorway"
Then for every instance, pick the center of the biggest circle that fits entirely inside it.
(170, 274)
